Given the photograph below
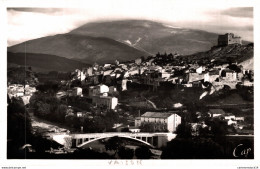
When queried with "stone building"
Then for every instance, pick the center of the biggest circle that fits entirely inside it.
(98, 90)
(229, 38)
(110, 102)
(169, 121)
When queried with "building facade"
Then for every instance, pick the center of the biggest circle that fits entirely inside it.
(168, 121)
(110, 102)
(98, 90)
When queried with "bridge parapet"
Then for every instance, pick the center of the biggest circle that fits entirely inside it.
(152, 139)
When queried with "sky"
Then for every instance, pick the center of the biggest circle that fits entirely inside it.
(31, 22)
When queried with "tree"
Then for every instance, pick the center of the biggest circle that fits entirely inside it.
(76, 83)
(203, 132)
(51, 87)
(143, 152)
(148, 127)
(193, 148)
(218, 128)
(114, 144)
(235, 68)
(110, 119)
(125, 153)
(18, 126)
(43, 109)
(94, 125)
(183, 130)
(61, 112)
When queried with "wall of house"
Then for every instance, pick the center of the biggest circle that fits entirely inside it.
(97, 100)
(104, 89)
(172, 122)
(138, 61)
(114, 102)
(153, 120)
(194, 77)
(229, 117)
(231, 76)
(26, 99)
(177, 121)
(77, 91)
(124, 82)
(166, 75)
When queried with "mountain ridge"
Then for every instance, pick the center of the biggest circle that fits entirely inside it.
(123, 40)
(78, 47)
(150, 36)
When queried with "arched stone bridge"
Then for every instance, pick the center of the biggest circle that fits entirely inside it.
(152, 139)
(155, 140)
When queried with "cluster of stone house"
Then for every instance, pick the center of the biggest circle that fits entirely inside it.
(80, 114)
(230, 118)
(21, 91)
(115, 77)
(99, 95)
(216, 76)
(158, 69)
(103, 80)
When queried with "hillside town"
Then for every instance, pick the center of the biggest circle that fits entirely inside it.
(111, 98)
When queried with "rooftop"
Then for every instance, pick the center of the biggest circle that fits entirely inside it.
(157, 114)
(216, 111)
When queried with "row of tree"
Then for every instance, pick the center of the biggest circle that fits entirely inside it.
(18, 128)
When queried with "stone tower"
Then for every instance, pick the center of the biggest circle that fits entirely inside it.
(229, 38)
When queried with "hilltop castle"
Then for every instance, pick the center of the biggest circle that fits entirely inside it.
(229, 38)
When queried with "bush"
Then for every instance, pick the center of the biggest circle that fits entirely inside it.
(143, 152)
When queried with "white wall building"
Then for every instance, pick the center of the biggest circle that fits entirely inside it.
(166, 75)
(170, 120)
(110, 102)
(231, 122)
(82, 75)
(26, 99)
(239, 118)
(98, 90)
(77, 91)
(229, 116)
(200, 70)
(216, 112)
(124, 84)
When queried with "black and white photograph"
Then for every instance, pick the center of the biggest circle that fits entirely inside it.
(129, 83)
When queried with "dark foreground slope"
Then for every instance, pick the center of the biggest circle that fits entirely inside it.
(43, 62)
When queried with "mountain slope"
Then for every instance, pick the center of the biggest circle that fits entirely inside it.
(248, 64)
(242, 54)
(151, 36)
(79, 47)
(43, 62)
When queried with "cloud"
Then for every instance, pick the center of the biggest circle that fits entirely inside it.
(30, 23)
(37, 10)
(246, 12)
